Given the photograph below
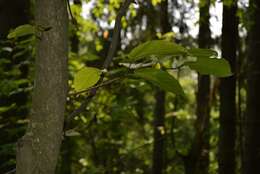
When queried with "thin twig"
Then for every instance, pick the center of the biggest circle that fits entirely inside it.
(73, 20)
(130, 151)
(133, 66)
(176, 68)
(84, 127)
(96, 86)
(11, 171)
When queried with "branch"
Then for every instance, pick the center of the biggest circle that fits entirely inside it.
(77, 111)
(74, 21)
(11, 171)
(116, 33)
(96, 86)
(176, 68)
(130, 151)
(133, 66)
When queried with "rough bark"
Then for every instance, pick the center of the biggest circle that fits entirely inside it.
(159, 117)
(38, 150)
(252, 119)
(197, 161)
(227, 130)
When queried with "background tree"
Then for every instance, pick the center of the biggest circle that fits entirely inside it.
(159, 117)
(227, 130)
(252, 143)
(197, 160)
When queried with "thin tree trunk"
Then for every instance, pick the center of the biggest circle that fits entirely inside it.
(38, 150)
(197, 161)
(159, 119)
(252, 119)
(159, 129)
(203, 95)
(227, 130)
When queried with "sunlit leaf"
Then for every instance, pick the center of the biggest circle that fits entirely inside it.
(160, 78)
(157, 48)
(86, 77)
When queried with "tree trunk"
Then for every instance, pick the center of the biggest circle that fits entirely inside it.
(159, 119)
(38, 150)
(203, 95)
(197, 161)
(159, 129)
(227, 130)
(252, 119)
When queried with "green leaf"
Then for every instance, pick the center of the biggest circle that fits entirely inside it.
(198, 52)
(211, 66)
(86, 77)
(157, 48)
(20, 31)
(160, 78)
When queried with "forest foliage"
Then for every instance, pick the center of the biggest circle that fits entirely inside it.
(150, 85)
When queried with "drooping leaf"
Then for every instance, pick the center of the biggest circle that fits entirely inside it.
(86, 77)
(22, 30)
(198, 52)
(211, 66)
(160, 78)
(157, 48)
